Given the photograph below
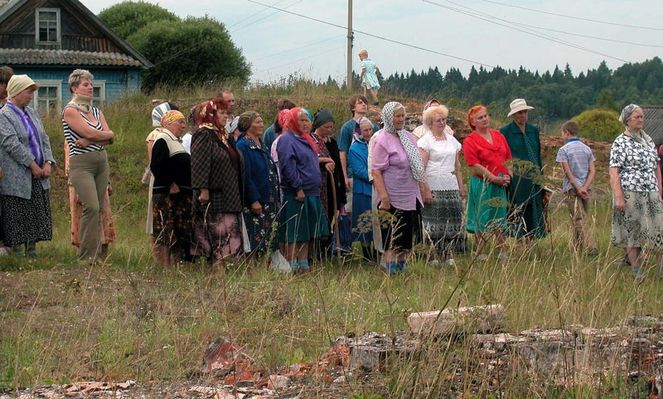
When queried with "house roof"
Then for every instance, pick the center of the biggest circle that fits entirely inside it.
(8, 9)
(21, 56)
(654, 122)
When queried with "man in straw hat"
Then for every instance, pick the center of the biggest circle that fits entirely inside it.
(525, 191)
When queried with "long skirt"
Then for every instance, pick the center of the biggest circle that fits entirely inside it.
(27, 220)
(362, 226)
(443, 222)
(171, 224)
(107, 229)
(527, 218)
(259, 228)
(302, 221)
(641, 222)
(486, 206)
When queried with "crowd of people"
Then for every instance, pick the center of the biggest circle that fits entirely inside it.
(223, 187)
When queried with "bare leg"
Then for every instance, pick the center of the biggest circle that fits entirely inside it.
(374, 93)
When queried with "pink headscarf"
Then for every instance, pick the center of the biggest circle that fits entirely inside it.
(292, 124)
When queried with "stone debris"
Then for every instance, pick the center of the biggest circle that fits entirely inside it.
(463, 320)
(373, 350)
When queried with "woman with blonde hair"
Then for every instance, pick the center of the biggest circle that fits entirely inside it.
(443, 215)
(87, 134)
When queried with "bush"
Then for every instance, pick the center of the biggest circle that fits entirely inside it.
(599, 124)
(128, 17)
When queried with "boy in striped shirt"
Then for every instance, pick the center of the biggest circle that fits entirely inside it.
(577, 160)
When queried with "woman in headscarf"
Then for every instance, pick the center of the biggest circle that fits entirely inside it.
(87, 134)
(302, 220)
(148, 179)
(216, 178)
(443, 218)
(331, 172)
(261, 186)
(637, 218)
(398, 176)
(486, 152)
(422, 129)
(171, 193)
(362, 188)
(26, 160)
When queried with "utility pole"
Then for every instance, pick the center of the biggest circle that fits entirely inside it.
(348, 79)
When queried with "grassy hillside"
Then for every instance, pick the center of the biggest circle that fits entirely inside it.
(129, 319)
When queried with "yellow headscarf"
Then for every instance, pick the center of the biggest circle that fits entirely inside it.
(170, 117)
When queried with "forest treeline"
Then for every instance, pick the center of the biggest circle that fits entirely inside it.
(559, 94)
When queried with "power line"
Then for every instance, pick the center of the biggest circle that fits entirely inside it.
(295, 48)
(262, 10)
(373, 35)
(265, 17)
(575, 17)
(589, 36)
(529, 32)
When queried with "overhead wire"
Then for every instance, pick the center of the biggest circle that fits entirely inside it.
(296, 48)
(261, 11)
(265, 17)
(588, 36)
(575, 17)
(380, 37)
(489, 18)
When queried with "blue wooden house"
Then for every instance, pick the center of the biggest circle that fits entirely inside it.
(47, 39)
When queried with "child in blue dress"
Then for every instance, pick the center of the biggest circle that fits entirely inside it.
(369, 75)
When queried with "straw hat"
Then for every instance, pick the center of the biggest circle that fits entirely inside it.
(518, 105)
(18, 83)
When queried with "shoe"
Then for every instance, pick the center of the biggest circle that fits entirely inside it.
(402, 266)
(391, 268)
(19, 250)
(303, 266)
(450, 262)
(482, 258)
(4, 251)
(434, 263)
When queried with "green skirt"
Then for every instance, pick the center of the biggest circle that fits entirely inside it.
(302, 221)
(486, 206)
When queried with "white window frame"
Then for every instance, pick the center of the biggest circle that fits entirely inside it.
(58, 25)
(101, 84)
(47, 83)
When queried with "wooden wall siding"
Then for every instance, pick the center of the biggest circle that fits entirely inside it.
(118, 81)
(76, 34)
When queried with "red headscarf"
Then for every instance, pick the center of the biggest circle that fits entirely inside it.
(207, 111)
(292, 124)
(473, 111)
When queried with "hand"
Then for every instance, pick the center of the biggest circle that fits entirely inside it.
(256, 208)
(110, 189)
(428, 198)
(461, 189)
(385, 205)
(300, 196)
(36, 170)
(619, 203)
(348, 184)
(583, 193)
(46, 170)
(330, 167)
(203, 197)
(82, 142)
(174, 189)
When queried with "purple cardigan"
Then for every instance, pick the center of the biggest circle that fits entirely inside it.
(298, 165)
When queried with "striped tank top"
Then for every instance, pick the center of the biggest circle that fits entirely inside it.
(71, 136)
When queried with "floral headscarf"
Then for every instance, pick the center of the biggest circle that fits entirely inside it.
(207, 112)
(413, 156)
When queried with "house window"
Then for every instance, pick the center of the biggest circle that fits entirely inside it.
(99, 93)
(47, 25)
(48, 97)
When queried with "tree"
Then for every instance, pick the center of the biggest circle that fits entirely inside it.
(192, 51)
(128, 17)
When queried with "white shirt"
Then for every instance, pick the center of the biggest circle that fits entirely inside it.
(186, 142)
(441, 161)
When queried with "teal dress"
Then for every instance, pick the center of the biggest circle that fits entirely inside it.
(527, 217)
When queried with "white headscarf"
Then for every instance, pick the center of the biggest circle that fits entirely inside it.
(413, 156)
(157, 113)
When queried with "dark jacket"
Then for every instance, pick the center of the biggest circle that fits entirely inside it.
(212, 167)
(257, 165)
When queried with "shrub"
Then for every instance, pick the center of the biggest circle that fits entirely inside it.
(599, 124)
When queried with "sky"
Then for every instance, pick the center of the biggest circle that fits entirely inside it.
(278, 44)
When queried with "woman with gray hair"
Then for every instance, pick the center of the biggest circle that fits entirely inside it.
(635, 179)
(86, 133)
(27, 161)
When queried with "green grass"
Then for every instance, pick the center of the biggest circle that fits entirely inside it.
(130, 319)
